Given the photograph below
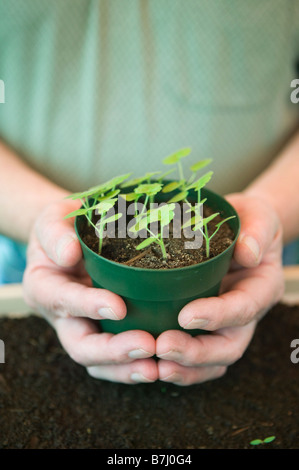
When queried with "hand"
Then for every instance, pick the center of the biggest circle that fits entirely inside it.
(254, 284)
(57, 286)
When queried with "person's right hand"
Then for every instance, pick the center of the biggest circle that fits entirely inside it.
(57, 286)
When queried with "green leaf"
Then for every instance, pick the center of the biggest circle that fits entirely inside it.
(140, 224)
(167, 219)
(149, 189)
(145, 243)
(175, 157)
(179, 197)
(199, 165)
(161, 213)
(95, 190)
(225, 220)
(256, 442)
(196, 220)
(76, 213)
(201, 182)
(269, 439)
(130, 196)
(206, 220)
(171, 186)
(104, 206)
(110, 184)
(134, 181)
(112, 218)
(99, 189)
(167, 214)
(109, 195)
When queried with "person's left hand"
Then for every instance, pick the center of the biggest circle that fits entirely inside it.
(253, 285)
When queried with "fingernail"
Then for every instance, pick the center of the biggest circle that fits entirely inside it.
(197, 323)
(252, 245)
(139, 354)
(171, 355)
(107, 313)
(174, 378)
(63, 243)
(137, 377)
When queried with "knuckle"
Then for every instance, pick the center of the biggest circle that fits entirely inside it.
(248, 313)
(58, 307)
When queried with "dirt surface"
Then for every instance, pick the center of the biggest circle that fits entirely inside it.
(48, 401)
(123, 250)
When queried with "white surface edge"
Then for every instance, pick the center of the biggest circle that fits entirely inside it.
(12, 303)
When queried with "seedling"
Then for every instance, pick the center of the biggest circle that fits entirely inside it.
(104, 190)
(163, 215)
(182, 183)
(101, 209)
(149, 191)
(200, 223)
(267, 440)
(175, 158)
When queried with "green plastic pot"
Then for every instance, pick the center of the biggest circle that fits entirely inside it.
(154, 297)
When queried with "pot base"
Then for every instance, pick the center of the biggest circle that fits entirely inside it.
(152, 316)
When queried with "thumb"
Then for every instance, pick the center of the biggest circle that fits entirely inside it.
(259, 226)
(57, 235)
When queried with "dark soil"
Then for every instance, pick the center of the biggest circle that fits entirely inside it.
(123, 250)
(48, 401)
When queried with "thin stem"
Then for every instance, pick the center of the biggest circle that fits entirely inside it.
(206, 235)
(86, 206)
(180, 167)
(102, 225)
(100, 232)
(160, 242)
(162, 246)
(145, 204)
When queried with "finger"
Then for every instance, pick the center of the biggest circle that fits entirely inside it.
(57, 235)
(141, 371)
(50, 291)
(88, 347)
(217, 349)
(259, 226)
(249, 294)
(183, 376)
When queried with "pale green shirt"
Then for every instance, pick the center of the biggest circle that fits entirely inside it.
(97, 88)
